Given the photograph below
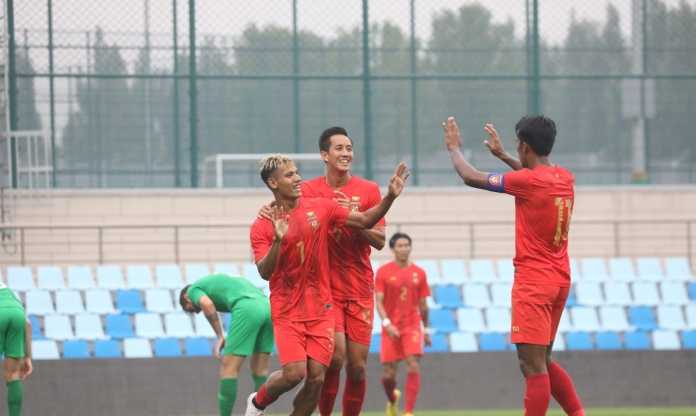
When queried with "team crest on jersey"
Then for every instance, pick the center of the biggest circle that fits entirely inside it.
(354, 203)
(494, 180)
(392, 278)
(313, 219)
(415, 278)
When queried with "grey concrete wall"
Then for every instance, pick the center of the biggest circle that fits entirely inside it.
(188, 386)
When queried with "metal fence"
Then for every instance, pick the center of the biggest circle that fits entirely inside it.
(136, 93)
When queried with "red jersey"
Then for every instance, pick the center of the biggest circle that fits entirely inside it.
(300, 288)
(403, 289)
(351, 272)
(544, 200)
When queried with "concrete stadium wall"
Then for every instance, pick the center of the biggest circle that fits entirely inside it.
(188, 386)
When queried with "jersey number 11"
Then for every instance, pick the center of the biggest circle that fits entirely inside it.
(561, 204)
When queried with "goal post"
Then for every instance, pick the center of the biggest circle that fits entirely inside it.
(217, 162)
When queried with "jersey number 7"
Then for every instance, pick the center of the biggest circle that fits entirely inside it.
(561, 204)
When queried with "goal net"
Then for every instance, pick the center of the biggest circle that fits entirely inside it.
(241, 170)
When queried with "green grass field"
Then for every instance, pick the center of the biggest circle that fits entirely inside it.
(654, 411)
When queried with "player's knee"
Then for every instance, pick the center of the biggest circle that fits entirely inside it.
(315, 381)
(337, 361)
(355, 371)
(529, 367)
(413, 367)
(293, 375)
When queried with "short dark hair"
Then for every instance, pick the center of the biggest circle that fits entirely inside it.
(325, 137)
(182, 300)
(395, 237)
(539, 132)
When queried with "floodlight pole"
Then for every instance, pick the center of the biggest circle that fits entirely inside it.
(414, 96)
(193, 91)
(367, 92)
(638, 143)
(12, 81)
(52, 100)
(296, 81)
(177, 145)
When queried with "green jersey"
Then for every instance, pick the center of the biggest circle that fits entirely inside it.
(224, 290)
(8, 298)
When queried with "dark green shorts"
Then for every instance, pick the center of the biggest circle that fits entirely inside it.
(13, 331)
(251, 329)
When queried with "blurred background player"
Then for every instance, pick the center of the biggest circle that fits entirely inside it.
(544, 198)
(401, 289)
(15, 343)
(292, 252)
(250, 333)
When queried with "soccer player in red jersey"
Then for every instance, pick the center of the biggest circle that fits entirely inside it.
(292, 252)
(401, 289)
(544, 198)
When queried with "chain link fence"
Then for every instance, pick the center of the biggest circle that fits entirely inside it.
(129, 102)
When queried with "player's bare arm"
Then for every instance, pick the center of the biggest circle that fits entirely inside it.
(497, 149)
(208, 309)
(26, 367)
(392, 330)
(269, 262)
(375, 237)
(369, 218)
(265, 211)
(468, 173)
(423, 306)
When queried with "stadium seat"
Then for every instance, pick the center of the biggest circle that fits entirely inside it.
(251, 272)
(80, 278)
(692, 291)
(195, 272)
(564, 325)
(443, 321)
(76, 350)
(198, 347)
(58, 327)
(502, 294)
(439, 344)
(579, 341)
(178, 325)
(203, 328)
(482, 270)
(588, 294)
(470, 320)
(571, 301)
(673, 293)
(89, 327)
(621, 269)
(20, 278)
(453, 272)
(38, 302)
(463, 342)
(645, 294)
(678, 268)
(99, 301)
(642, 318)
(670, 317)
(107, 349)
(559, 343)
(69, 302)
(159, 300)
(608, 341)
(129, 301)
(574, 270)
(666, 340)
(137, 348)
(498, 320)
(119, 326)
(492, 342)
(44, 350)
(506, 270)
(649, 268)
(167, 347)
(229, 268)
(148, 325)
(617, 294)
(432, 304)
(476, 295)
(448, 296)
(691, 316)
(431, 269)
(594, 269)
(638, 340)
(50, 278)
(169, 276)
(584, 319)
(139, 277)
(689, 340)
(613, 318)
(35, 328)
(376, 324)
(110, 277)
(375, 344)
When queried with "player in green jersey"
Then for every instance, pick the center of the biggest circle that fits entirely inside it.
(15, 343)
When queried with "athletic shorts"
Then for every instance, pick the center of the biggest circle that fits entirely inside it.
(536, 312)
(298, 341)
(410, 342)
(251, 329)
(355, 317)
(13, 332)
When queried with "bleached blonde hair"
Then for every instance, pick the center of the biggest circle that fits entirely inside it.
(270, 163)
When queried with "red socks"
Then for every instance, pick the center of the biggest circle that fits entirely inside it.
(412, 390)
(538, 396)
(563, 390)
(354, 396)
(329, 390)
(262, 398)
(389, 386)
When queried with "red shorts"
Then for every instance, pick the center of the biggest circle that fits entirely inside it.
(536, 312)
(297, 341)
(355, 317)
(410, 342)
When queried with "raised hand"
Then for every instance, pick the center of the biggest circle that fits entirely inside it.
(453, 139)
(398, 181)
(495, 145)
(265, 211)
(343, 201)
(428, 340)
(280, 224)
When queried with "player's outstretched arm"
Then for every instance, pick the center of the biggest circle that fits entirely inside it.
(376, 237)
(369, 218)
(497, 150)
(267, 265)
(468, 173)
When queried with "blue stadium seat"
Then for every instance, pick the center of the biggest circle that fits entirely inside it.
(692, 291)
(169, 276)
(377, 324)
(119, 326)
(617, 294)
(589, 294)
(229, 268)
(443, 321)
(613, 318)
(110, 277)
(579, 341)
(35, 328)
(137, 348)
(559, 343)
(251, 272)
(107, 349)
(571, 301)
(564, 325)
(39, 302)
(689, 340)
(439, 344)
(20, 278)
(178, 325)
(432, 304)
(492, 342)
(44, 350)
(148, 325)
(670, 317)
(58, 327)
(203, 328)
(448, 296)
(673, 293)
(375, 344)
(621, 269)
(645, 294)
(80, 278)
(482, 270)
(50, 278)
(198, 347)
(69, 302)
(594, 269)
(638, 340)
(167, 347)
(476, 295)
(99, 301)
(506, 270)
(463, 342)
(76, 350)
(89, 327)
(642, 318)
(691, 316)
(159, 300)
(677, 268)
(498, 319)
(195, 272)
(431, 269)
(139, 277)
(453, 272)
(584, 319)
(129, 301)
(502, 294)
(649, 268)
(470, 320)
(574, 270)
(608, 341)
(666, 340)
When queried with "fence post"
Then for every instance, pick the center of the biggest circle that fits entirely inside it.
(21, 238)
(472, 251)
(51, 80)
(617, 244)
(177, 144)
(414, 96)
(533, 59)
(101, 246)
(12, 81)
(296, 81)
(367, 92)
(193, 91)
(176, 245)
